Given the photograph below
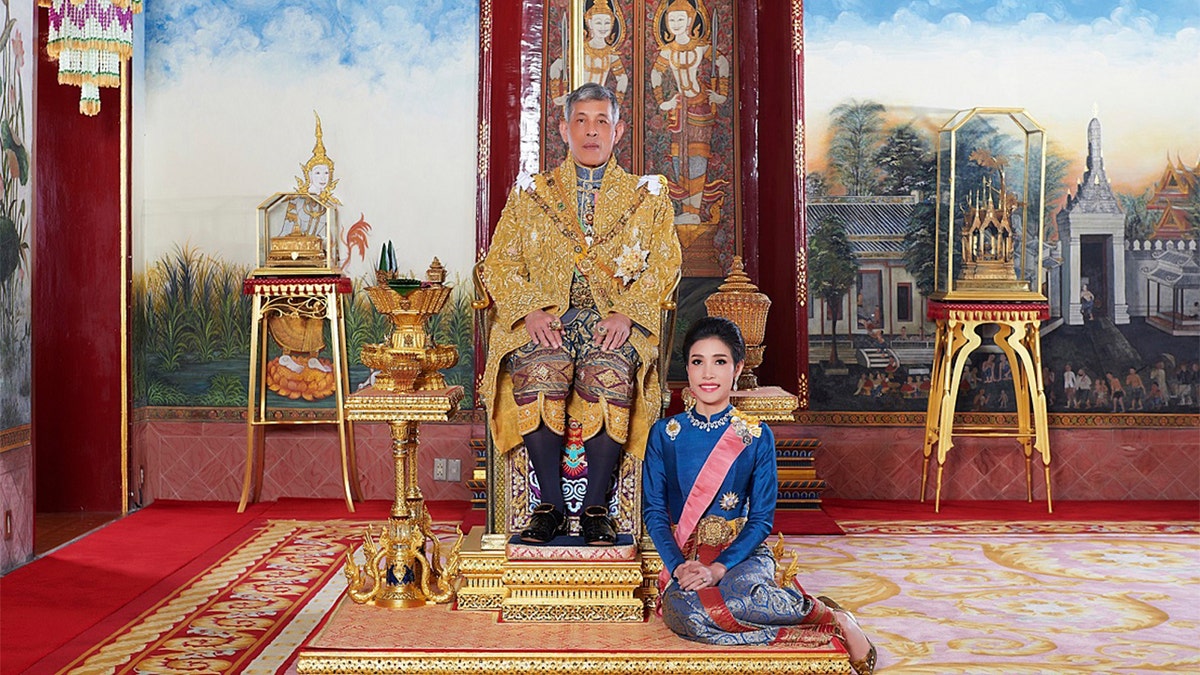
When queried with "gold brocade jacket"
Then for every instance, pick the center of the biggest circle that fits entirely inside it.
(631, 263)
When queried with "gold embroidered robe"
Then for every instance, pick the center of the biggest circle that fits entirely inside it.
(535, 250)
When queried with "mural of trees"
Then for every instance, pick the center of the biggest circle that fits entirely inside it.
(832, 269)
(857, 135)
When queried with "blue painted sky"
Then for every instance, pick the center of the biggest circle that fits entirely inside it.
(1159, 16)
(366, 34)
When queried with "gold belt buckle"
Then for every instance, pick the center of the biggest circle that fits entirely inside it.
(714, 531)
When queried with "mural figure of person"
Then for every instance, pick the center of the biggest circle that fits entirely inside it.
(700, 77)
(300, 372)
(604, 28)
(1087, 304)
(1137, 389)
(1069, 382)
(1100, 393)
(1083, 389)
(1117, 392)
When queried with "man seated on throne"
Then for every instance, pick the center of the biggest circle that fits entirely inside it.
(577, 267)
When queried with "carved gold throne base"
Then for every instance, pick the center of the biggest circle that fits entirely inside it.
(557, 583)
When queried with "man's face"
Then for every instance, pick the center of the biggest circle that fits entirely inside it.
(590, 132)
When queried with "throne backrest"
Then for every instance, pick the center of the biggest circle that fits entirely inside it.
(512, 486)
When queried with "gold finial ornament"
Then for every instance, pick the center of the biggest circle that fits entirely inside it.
(598, 7)
(740, 301)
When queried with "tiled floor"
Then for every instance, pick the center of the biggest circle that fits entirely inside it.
(52, 530)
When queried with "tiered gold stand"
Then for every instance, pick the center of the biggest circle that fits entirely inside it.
(958, 335)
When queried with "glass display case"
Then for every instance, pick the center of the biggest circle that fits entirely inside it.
(991, 167)
(297, 234)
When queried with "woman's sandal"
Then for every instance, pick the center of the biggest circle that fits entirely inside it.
(865, 665)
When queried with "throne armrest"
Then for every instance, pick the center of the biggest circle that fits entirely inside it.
(669, 304)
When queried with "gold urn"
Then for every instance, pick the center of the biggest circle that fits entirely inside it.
(410, 360)
(740, 301)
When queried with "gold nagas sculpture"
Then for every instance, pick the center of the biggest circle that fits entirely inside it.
(403, 565)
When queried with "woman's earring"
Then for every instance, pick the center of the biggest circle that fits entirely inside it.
(735, 385)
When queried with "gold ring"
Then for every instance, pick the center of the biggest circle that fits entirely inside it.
(602, 330)
(556, 325)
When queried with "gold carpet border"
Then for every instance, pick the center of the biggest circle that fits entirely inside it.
(969, 527)
(221, 636)
(557, 663)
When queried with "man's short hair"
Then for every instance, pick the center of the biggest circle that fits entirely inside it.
(590, 91)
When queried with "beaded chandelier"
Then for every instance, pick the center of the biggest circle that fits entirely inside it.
(90, 39)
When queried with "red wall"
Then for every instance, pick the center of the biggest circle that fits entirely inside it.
(76, 297)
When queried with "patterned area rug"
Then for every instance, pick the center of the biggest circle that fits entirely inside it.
(1015, 604)
(953, 603)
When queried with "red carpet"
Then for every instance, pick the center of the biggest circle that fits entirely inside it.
(88, 588)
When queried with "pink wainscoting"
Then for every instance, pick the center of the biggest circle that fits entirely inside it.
(192, 460)
(204, 461)
(16, 496)
(1087, 463)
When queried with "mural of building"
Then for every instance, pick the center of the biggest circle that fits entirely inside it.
(1165, 267)
(1091, 280)
(887, 317)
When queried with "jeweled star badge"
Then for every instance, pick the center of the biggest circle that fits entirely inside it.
(673, 428)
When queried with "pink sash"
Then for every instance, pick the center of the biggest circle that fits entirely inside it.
(704, 490)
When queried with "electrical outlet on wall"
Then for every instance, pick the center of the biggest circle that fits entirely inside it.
(454, 470)
(439, 468)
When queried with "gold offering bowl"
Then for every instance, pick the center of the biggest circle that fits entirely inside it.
(409, 360)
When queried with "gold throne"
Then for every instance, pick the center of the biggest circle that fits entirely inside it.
(567, 582)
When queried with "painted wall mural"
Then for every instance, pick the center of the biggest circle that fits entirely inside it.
(672, 66)
(17, 39)
(1122, 187)
(228, 90)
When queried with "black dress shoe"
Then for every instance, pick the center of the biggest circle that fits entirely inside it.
(597, 527)
(545, 524)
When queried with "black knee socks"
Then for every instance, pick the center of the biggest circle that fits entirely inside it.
(602, 453)
(545, 450)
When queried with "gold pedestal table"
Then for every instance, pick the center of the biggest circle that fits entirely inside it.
(308, 301)
(1018, 336)
(398, 571)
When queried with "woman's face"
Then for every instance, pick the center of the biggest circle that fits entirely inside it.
(318, 178)
(711, 373)
(601, 25)
(677, 22)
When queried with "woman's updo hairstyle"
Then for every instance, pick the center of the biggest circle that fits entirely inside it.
(716, 327)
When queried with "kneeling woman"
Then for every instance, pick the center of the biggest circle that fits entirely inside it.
(710, 483)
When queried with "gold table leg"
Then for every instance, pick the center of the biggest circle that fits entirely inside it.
(1018, 338)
